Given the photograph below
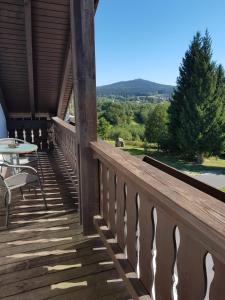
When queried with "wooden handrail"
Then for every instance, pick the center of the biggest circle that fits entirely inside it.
(64, 124)
(65, 139)
(130, 191)
(204, 187)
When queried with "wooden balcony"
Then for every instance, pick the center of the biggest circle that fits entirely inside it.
(165, 236)
(44, 254)
(158, 234)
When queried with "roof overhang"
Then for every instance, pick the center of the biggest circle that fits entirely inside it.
(35, 60)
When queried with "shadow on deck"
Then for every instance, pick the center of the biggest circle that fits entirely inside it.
(43, 254)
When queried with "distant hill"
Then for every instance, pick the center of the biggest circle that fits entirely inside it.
(136, 87)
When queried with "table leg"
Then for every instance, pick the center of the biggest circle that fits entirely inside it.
(18, 162)
(12, 163)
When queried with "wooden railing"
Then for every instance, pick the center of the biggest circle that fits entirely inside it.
(166, 237)
(34, 131)
(64, 135)
(204, 187)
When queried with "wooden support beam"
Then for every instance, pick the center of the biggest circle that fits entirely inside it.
(3, 104)
(26, 115)
(66, 74)
(84, 83)
(29, 48)
(67, 69)
(96, 4)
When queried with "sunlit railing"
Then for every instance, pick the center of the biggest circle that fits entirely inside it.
(160, 230)
(64, 135)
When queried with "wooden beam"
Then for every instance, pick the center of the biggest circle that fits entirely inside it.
(3, 104)
(67, 69)
(22, 115)
(96, 4)
(29, 48)
(66, 73)
(84, 83)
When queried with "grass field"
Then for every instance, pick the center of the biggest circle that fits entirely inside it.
(212, 164)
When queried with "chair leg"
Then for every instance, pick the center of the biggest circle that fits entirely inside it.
(8, 209)
(35, 192)
(40, 167)
(43, 193)
(21, 191)
(7, 215)
(5, 198)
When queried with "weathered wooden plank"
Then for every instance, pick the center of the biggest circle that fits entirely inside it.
(52, 2)
(100, 188)
(39, 11)
(36, 250)
(164, 262)
(121, 199)
(132, 222)
(63, 7)
(110, 291)
(105, 192)
(50, 266)
(50, 20)
(12, 2)
(146, 240)
(112, 201)
(82, 249)
(40, 24)
(217, 290)
(51, 279)
(94, 287)
(69, 229)
(191, 268)
(39, 240)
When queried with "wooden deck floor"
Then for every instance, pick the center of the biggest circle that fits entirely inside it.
(43, 254)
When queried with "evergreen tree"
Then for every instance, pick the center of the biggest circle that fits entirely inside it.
(196, 112)
(156, 127)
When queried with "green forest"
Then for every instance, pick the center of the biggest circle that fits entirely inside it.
(126, 120)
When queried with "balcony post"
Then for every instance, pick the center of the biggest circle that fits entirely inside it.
(84, 85)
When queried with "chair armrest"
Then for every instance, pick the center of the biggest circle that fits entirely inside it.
(23, 167)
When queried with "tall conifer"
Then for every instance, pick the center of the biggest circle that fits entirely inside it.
(196, 112)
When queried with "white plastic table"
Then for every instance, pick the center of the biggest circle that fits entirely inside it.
(23, 148)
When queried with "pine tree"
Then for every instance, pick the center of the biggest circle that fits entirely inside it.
(196, 113)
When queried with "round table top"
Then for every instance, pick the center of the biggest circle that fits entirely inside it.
(22, 148)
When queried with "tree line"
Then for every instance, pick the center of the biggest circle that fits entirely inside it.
(191, 123)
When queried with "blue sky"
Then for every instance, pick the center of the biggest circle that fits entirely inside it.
(147, 39)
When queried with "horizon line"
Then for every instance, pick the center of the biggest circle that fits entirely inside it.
(100, 85)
